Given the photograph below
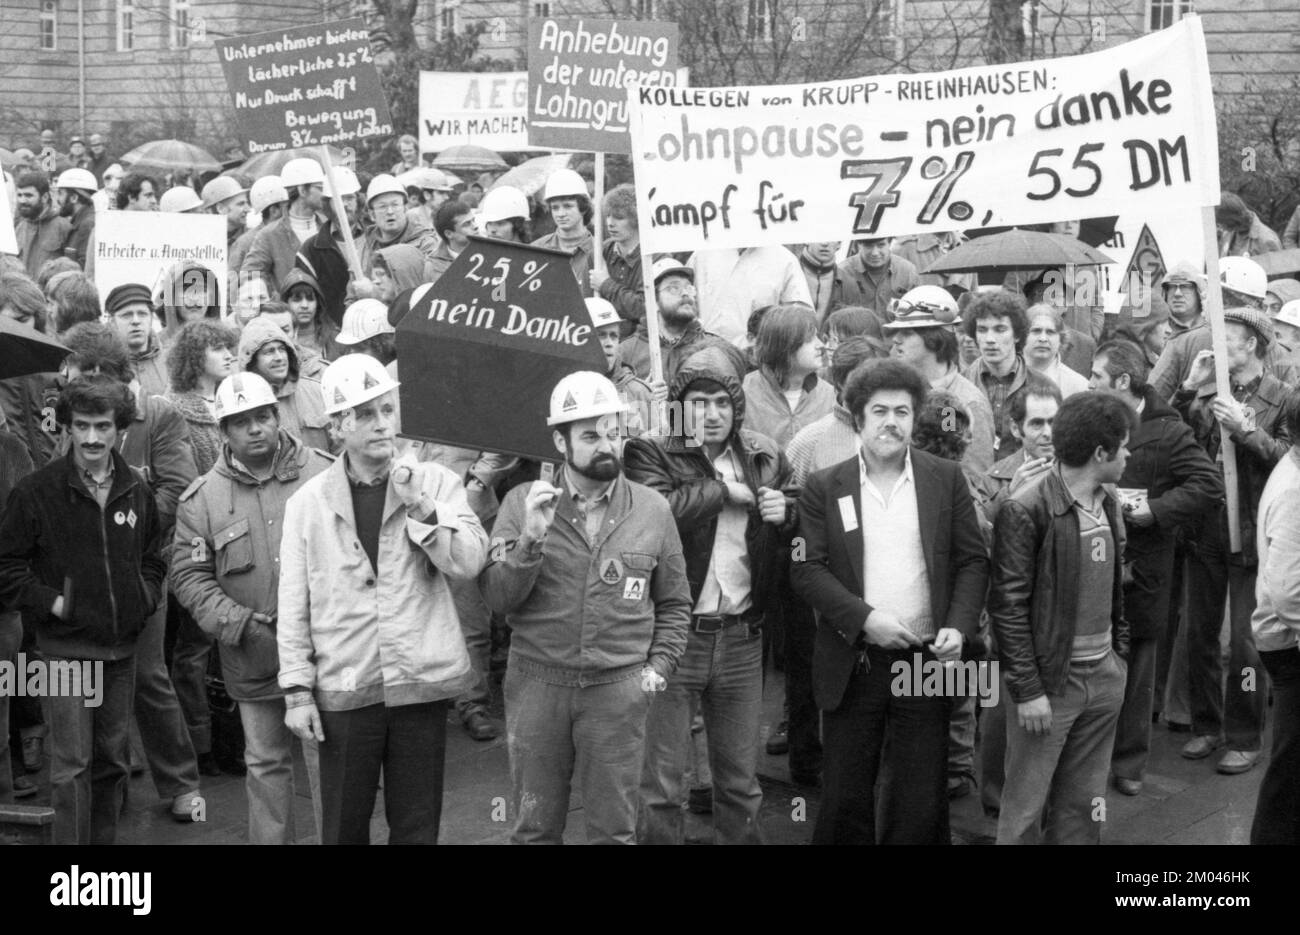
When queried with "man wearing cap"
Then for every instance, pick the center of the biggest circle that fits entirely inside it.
(386, 200)
(99, 160)
(923, 336)
(276, 245)
(590, 575)
(226, 571)
(874, 277)
(635, 392)
(732, 284)
(129, 308)
(370, 647)
(76, 188)
(41, 231)
(225, 196)
(1254, 418)
(680, 331)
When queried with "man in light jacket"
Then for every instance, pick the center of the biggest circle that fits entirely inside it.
(225, 571)
(371, 652)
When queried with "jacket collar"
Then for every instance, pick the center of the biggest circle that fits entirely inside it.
(1007, 467)
(620, 503)
(337, 493)
(123, 477)
(290, 458)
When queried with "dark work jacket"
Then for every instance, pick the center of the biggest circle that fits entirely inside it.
(1182, 485)
(829, 577)
(1034, 591)
(1258, 452)
(54, 537)
(624, 289)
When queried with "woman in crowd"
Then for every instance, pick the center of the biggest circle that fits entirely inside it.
(784, 394)
(201, 356)
(1043, 350)
(316, 331)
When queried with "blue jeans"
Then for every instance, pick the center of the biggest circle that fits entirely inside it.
(1065, 769)
(1277, 812)
(90, 758)
(724, 671)
(268, 753)
(408, 743)
(163, 734)
(559, 731)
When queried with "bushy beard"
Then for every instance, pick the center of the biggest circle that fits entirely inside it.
(602, 467)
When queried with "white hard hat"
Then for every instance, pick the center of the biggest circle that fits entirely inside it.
(384, 184)
(77, 178)
(267, 191)
(924, 307)
(564, 183)
(583, 395)
(349, 184)
(1244, 276)
(180, 199)
(667, 265)
(430, 179)
(364, 319)
(220, 189)
(1289, 314)
(241, 392)
(502, 204)
(302, 171)
(354, 379)
(602, 312)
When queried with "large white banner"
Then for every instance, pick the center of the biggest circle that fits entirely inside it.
(487, 108)
(141, 246)
(1130, 129)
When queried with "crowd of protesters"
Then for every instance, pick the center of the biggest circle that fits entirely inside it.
(872, 470)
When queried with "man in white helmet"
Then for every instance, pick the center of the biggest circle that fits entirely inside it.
(371, 651)
(386, 201)
(76, 188)
(923, 336)
(267, 202)
(226, 572)
(590, 574)
(1244, 284)
(275, 246)
(566, 198)
(225, 196)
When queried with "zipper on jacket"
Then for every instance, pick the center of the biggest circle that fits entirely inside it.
(108, 571)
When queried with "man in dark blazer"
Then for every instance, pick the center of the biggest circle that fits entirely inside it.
(893, 564)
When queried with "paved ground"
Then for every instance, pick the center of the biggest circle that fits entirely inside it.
(1183, 802)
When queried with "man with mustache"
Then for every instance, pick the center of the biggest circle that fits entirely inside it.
(80, 556)
(590, 574)
(894, 565)
(42, 232)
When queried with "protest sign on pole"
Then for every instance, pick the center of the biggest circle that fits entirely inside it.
(479, 352)
(310, 86)
(578, 72)
(487, 108)
(1129, 129)
(8, 239)
(143, 246)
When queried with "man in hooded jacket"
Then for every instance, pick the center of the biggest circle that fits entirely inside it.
(268, 352)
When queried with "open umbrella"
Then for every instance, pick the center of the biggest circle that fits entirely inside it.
(24, 350)
(264, 164)
(172, 155)
(423, 177)
(1017, 249)
(530, 176)
(469, 158)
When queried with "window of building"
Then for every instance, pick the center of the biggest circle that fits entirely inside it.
(645, 9)
(541, 11)
(49, 25)
(125, 25)
(890, 14)
(759, 20)
(448, 18)
(1164, 13)
(180, 24)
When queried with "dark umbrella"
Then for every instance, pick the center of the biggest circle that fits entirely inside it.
(264, 164)
(1017, 249)
(469, 158)
(172, 156)
(1092, 231)
(24, 350)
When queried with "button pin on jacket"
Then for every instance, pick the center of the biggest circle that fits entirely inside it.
(119, 517)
